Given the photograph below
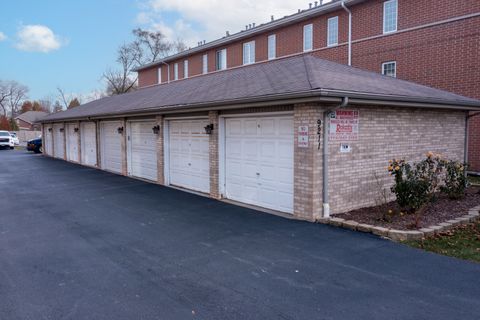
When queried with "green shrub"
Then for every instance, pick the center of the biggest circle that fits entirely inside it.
(415, 185)
(455, 182)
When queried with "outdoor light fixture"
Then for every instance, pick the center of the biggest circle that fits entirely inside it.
(156, 129)
(62, 129)
(209, 128)
(75, 129)
(120, 130)
(49, 129)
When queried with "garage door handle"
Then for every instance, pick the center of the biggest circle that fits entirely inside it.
(189, 164)
(258, 173)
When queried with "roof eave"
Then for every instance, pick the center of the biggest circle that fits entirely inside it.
(318, 95)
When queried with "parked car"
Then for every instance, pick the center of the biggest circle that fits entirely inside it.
(15, 138)
(6, 140)
(35, 145)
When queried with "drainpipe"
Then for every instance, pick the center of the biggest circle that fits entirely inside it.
(465, 149)
(326, 205)
(168, 71)
(349, 33)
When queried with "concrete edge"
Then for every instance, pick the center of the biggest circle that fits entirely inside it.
(403, 235)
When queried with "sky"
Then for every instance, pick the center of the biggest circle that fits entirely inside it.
(69, 44)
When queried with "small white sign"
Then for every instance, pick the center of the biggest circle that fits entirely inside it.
(303, 136)
(345, 148)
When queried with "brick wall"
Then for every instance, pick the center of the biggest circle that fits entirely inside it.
(387, 133)
(307, 189)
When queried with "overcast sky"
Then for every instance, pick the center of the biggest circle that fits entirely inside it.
(50, 43)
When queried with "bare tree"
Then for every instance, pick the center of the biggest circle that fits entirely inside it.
(12, 95)
(148, 46)
(4, 94)
(62, 97)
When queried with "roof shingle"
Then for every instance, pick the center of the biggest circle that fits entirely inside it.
(298, 74)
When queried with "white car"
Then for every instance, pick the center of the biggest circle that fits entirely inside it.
(15, 138)
(6, 140)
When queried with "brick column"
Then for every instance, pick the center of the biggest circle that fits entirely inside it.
(213, 155)
(98, 144)
(308, 163)
(43, 139)
(52, 140)
(123, 146)
(160, 151)
(79, 142)
(64, 141)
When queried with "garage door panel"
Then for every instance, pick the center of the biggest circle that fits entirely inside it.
(142, 150)
(72, 142)
(261, 171)
(189, 154)
(111, 146)
(58, 141)
(89, 143)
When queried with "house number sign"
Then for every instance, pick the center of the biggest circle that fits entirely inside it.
(303, 136)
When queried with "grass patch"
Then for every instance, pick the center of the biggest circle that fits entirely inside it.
(474, 179)
(462, 242)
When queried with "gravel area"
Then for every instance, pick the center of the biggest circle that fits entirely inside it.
(443, 209)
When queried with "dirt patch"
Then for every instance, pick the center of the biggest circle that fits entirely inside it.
(390, 215)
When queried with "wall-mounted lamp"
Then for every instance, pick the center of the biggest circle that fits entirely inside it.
(62, 129)
(49, 129)
(120, 130)
(209, 128)
(75, 129)
(156, 129)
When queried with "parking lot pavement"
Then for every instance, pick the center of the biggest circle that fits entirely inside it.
(79, 243)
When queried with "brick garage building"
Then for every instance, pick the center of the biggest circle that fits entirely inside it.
(435, 43)
(28, 120)
(262, 134)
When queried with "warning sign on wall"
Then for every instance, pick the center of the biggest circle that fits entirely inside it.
(303, 136)
(344, 125)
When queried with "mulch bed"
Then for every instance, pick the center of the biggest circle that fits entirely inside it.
(441, 210)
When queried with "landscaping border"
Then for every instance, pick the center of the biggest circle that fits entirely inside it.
(404, 235)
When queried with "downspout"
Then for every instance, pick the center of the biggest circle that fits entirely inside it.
(349, 33)
(465, 149)
(326, 114)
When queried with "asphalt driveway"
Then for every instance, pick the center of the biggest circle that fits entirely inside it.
(78, 243)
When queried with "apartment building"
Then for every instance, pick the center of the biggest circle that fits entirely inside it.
(435, 43)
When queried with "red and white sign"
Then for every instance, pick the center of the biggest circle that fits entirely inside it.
(344, 125)
(303, 136)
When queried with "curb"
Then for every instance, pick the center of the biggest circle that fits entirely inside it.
(404, 235)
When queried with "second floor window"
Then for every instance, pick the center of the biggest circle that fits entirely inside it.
(272, 47)
(389, 69)
(185, 69)
(308, 37)
(205, 64)
(175, 71)
(249, 52)
(159, 76)
(390, 11)
(332, 32)
(221, 59)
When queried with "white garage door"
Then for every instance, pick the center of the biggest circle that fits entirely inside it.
(47, 143)
(188, 155)
(142, 150)
(58, 141)
(72, 142)
(111, 146)
(259, 161)
(89, 143)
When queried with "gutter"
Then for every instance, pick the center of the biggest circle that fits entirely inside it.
(326, 114)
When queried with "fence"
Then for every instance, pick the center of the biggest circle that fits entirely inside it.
(24, 136)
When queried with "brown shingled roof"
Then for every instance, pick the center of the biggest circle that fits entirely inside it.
(303, 75)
